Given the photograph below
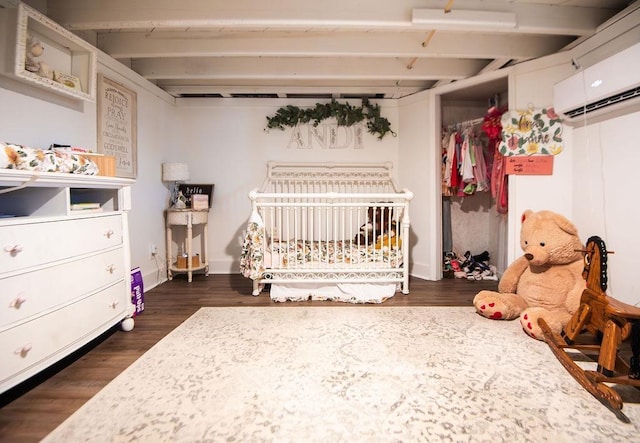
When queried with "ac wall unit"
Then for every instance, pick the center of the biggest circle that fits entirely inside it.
(607, 89)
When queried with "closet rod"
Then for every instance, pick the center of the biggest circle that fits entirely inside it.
(475, 121)
(466, 123)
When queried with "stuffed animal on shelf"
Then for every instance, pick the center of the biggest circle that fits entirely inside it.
(545, 282)
(45, 71)
(33, 50)
(378, 224)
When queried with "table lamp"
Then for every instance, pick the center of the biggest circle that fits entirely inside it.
(175, 172)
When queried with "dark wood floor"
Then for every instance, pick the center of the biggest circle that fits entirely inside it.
(32, 410)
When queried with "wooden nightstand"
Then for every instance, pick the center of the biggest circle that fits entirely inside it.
(188, 218)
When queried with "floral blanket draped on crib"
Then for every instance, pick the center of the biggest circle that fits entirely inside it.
(252, 256)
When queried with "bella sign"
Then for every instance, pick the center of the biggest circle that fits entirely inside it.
(327, 136)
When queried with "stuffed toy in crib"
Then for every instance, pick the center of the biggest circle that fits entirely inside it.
(389, 239)
(546, 282)
(380, 229)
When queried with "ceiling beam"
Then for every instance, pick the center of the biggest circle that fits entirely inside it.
(460, 19)
(350, 84)
(296, 15)
(325, 47)
(494, 65)
(362, 69)
(167, 14)
(336, 91)
(518, 17)
(559, 20)
(341, 44)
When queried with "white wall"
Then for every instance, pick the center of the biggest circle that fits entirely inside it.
(225, 143)
(416, 169)
(157, 134)
(156, 143)
(532, 86)
(604, 199)
(593, 179)
(38, 118)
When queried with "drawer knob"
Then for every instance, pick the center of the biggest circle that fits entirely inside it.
(13, 250)
(109, 233)
(16, 303)
(111, 269)
(113, 304)
(23, 350)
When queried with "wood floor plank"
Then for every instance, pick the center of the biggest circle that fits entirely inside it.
(33, 409)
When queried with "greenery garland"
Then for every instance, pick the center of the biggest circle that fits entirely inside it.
(344, 113)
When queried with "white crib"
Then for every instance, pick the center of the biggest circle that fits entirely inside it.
(303, 235)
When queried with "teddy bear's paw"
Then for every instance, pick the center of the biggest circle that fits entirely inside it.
(529, 323)
(490, 307)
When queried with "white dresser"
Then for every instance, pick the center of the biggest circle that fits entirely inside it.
(65, 275)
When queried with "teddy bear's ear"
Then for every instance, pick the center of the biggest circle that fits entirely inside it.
(525, 214)
(564, 224)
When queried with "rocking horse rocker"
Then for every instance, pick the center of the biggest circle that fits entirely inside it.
(610, 322)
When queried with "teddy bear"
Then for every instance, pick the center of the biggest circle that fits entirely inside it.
(546, 282)
(378, 224)
(34, 49)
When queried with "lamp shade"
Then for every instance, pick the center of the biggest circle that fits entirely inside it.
(173, 172)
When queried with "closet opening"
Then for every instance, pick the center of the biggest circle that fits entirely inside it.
(474, 187)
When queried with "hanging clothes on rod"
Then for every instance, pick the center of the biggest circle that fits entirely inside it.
(464, 160)
(492, 127)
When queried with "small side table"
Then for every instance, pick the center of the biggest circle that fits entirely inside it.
(188, 218)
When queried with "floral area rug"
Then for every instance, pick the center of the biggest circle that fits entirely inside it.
(346, 374)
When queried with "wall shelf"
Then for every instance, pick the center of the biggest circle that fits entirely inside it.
(64, 52)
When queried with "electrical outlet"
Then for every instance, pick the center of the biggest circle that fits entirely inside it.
(153, 249)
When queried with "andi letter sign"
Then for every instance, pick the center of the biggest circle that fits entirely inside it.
(327, 136)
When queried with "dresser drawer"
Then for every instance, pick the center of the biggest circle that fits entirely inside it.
(30, 347)
(25, 295)
(33, 244)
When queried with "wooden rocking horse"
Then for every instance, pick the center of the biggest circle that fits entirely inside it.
(609, 323)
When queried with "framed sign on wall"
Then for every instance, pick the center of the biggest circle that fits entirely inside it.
(117, 125)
